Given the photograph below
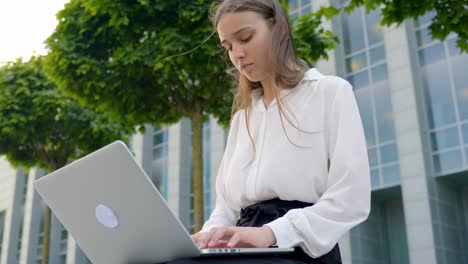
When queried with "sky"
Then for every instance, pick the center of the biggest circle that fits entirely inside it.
(24, 25)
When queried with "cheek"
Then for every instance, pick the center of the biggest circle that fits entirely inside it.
(256, 46)
(266, 50)
(260, 49)
(231, 58)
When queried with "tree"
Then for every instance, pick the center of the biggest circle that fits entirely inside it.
(451, 16)
(118, 56)
(41, 126)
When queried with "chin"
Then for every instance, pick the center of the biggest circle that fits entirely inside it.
(252, 77)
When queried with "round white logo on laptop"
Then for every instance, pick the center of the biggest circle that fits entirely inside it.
(106, 216)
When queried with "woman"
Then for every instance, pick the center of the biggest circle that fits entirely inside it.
(295, 171)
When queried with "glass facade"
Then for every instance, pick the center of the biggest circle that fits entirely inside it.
(159, 171)
(443, 71)
(23, 200)
(63, 239)
(20, 237)
(207, 169)
(63, 244)
(382, 237)
(40, 237)
(299, 8)
(366, 69)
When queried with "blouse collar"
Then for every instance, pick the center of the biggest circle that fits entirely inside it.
(310, 75)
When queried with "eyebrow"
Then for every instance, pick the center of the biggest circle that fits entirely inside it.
(237, 32)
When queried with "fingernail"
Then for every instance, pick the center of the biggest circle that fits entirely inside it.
(230, 244)
(211, 243)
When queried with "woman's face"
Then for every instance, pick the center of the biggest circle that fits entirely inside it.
(247, 37)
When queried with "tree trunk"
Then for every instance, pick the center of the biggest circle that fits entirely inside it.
(197, 170)
(48, 217)
(46, 238)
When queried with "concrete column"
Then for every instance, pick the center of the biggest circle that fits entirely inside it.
(13, 219)
(7, 180)
(142, 145)
(178, 196)
(414, 183)
(218, 144)
(74, 253)
(33, 208)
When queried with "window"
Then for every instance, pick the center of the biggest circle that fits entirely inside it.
(445, 89)
(63, 244)
(366, 69)
(299, 8)
(40, 238)
(159, 165)
(23, 200)
(206, 170)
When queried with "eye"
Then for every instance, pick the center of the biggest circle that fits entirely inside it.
(247, 39)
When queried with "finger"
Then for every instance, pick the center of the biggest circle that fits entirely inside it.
(220, 244)
(234, 240)
(218, 235)
(204, 238)
(196, 236)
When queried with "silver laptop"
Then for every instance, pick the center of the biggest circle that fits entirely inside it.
(115, 213)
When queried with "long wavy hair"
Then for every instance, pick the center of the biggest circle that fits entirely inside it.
(288, 70)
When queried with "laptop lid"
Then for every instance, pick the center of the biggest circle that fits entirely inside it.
(114, 211)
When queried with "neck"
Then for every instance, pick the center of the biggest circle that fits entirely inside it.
(268, 95)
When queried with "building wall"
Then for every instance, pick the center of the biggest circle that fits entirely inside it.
(13, 210)
(7, 180)
(21, 220)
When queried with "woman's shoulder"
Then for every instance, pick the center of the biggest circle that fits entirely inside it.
(237, 118)
(335, 81)
(237, 115)
(329, 85)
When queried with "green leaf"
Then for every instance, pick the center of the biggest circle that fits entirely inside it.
(42, 126)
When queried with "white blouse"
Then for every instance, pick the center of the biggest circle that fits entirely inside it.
(330, 167)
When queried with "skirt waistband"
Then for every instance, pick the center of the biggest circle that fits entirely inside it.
(256, 215)
(261, 213)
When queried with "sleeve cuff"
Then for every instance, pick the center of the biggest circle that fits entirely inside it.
(284, 232)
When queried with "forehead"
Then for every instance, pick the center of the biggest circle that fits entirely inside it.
(230, 23)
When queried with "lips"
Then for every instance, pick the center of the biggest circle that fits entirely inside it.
(243, 66)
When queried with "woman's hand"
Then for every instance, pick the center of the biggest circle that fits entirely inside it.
(234, 236)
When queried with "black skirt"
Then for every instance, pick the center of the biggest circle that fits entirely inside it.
(257, 215)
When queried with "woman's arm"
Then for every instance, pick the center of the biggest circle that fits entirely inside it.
(346, 201)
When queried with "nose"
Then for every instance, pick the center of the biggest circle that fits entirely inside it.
(238, 52)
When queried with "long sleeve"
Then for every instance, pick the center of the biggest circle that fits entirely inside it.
(346, 199)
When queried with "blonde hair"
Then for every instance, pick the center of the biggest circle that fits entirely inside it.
(288, 70)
